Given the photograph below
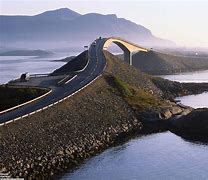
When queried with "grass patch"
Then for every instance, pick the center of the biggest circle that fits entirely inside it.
(143, 100)
(122, 87)
(10, 97)
(137, 98)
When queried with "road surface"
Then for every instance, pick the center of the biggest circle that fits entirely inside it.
(94, 68)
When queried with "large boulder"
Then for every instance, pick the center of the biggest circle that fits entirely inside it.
(194, 124)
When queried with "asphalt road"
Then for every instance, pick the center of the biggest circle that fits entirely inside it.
(95, 67)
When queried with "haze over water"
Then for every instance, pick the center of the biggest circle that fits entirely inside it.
(11, 67)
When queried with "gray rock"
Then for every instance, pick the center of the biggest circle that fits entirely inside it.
(176, 110)
(166, 114)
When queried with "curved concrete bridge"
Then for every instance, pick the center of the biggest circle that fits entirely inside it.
(127, 47)
(94, 68)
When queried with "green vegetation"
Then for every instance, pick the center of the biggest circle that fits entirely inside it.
(138, 98)
(10, 97)
(122, 87)
(143, 100)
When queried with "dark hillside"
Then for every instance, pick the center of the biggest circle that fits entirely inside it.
(131, 75)
(73, 65)
(159, 63)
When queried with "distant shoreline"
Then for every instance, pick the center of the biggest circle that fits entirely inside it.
(26, 53)
(67, 59)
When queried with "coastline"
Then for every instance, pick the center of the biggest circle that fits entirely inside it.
(61, 137)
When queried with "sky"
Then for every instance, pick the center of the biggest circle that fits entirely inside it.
(182, 21)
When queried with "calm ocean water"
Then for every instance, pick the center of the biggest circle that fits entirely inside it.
(153, 157)
(195, 101)
(198, 76)
(11, 67)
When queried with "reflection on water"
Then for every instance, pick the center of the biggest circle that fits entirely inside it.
(158, 156)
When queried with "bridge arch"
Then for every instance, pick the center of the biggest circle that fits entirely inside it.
(127, 47)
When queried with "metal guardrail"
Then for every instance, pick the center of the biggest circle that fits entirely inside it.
(39, 75)
(81, 70)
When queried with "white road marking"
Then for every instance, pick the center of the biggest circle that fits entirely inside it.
(70, 79)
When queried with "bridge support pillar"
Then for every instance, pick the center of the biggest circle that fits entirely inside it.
(128, 57)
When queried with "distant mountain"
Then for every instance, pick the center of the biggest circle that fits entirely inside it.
(64, 27)
(60, 14)
(26, 53)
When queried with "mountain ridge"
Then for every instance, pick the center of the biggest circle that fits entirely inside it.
(63, 13)
(65, 27)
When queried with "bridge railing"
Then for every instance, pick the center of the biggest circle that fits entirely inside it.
(39, 75)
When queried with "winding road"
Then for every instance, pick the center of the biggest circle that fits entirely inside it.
(95, 65)
(94, 68)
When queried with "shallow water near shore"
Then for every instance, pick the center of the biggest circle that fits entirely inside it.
(157, 156)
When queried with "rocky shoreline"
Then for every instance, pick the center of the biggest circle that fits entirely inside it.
(63, 136)
(122, 102)
(44, 165)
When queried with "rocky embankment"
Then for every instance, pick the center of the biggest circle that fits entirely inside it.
(122, 101)
(159, 63)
